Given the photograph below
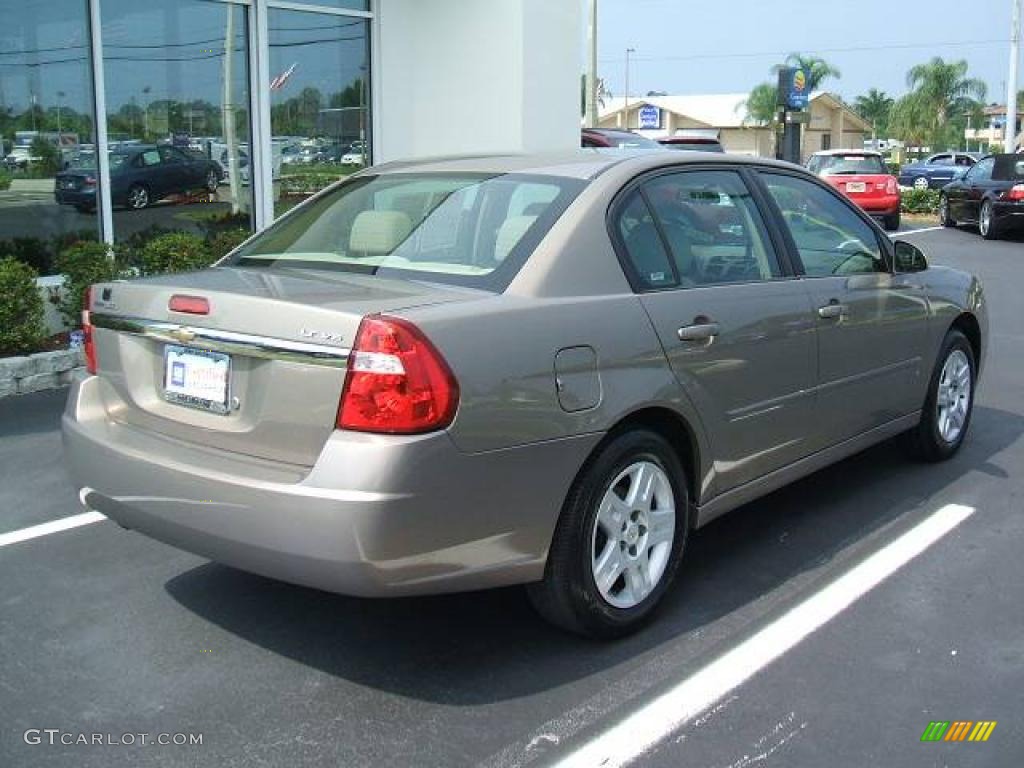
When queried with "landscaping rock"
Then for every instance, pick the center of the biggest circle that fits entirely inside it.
(37, 382)
(55, 362)
(8, 387)
(16, 367)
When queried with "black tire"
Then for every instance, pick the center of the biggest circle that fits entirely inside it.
(945, 217)
(138, 197)
(892, 222)
(926, 439)
(987, 225)
(568, 596)
(84, 208)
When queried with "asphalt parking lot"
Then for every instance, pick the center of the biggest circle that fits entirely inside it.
(104, 631)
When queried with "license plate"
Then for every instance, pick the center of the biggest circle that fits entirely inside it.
(856, 186)
(197, 378)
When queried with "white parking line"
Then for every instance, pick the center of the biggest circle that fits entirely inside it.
(642, 730)
(915, 231)
(54, 526)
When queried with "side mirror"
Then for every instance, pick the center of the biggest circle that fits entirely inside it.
(909, 258)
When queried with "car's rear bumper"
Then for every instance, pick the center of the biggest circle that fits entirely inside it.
(75, 197)
(882, 205)
(375, 516)
(1009, 215)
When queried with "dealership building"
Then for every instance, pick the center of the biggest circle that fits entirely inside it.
(278, 97)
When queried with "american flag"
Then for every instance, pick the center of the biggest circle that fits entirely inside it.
(278, 82)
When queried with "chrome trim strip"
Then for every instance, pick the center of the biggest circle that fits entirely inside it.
(227, 341)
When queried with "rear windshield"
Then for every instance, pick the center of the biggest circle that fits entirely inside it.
(695, 146)
(473, 230)
(630, 141)
(838, 165)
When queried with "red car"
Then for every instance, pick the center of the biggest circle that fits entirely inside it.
(862, 176)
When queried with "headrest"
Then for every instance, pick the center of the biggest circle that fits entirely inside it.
(378, 232)
(509, 235)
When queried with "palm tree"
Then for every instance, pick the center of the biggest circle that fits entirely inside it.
(944, 91)
(602, 93)
(761, 105)
(818, 70)
(875, 107)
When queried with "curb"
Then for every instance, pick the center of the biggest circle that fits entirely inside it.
(38, 372)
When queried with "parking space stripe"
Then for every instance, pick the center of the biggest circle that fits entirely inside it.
(915, 231)
(54, 526)
(643, 729)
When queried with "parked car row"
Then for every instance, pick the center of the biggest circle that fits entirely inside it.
(619, 138)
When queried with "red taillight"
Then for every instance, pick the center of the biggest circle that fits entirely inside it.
(89, 181)
(191, 305)
(397, 382)
(88, 344)
(1015, 193)
(892, 186)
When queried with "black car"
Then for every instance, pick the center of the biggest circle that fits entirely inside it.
(139, 176)
(617, 138)
(990, 195)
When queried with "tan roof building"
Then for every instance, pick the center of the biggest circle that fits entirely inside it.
(833, 124)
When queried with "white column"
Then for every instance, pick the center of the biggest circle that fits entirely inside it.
(1011, 81)
(470, 76)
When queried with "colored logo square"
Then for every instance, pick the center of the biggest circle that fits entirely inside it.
(178, 374)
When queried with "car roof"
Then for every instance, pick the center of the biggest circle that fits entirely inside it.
(832, 152)
(583, 164)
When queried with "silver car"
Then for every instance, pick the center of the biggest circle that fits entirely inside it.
(466, 373)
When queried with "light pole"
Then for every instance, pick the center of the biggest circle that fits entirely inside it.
(628, 51)
(1011, 93)
(60, 96)
(591, 85)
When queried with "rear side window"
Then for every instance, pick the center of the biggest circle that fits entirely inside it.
(830, 238)
(462, 229)
(704, 224)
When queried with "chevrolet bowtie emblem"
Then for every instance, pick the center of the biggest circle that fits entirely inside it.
(183, 334)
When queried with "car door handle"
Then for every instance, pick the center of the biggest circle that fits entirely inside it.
(832, 310)
(698, 332)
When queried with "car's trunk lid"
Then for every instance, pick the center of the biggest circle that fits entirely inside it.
(285, 332)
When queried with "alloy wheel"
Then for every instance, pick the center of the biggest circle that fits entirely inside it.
(633, 532)
(985, 220)
(920, 183)
(212, 182)
(138, 197)
(954, 396)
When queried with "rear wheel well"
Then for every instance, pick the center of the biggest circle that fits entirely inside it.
(967, 324)
(673, 427)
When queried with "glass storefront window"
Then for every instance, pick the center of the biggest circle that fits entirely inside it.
(345, 5)
(178, 117)
(320, 94)
(46, 126)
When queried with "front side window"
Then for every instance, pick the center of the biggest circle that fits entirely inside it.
(830, 238)
(462, 229)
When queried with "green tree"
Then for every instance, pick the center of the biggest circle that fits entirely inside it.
(818, 70)
(942, 95)
(760, 107)
(602, 93)
(875, 107)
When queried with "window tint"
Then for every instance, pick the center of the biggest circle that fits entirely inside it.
(965, 160)
(941, 160)
(713, 229)
(830, 238)
(983, 170)
(149, 157)
(644, 247)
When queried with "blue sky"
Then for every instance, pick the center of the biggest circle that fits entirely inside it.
(705, 46)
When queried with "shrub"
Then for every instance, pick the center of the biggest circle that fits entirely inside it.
(919, 201)
(225, 242)
(175, 252)
(215, 225)
(33, 251)
(84, 263)
(21, 311)
(128, 252)
(5, 180)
